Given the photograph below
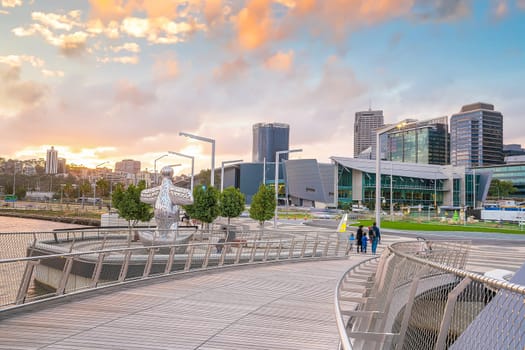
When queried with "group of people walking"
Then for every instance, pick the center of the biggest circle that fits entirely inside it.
(362, 238)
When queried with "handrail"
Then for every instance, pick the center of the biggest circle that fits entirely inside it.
(406, 271)
(344, 341)
(143, 262)
(517, 288)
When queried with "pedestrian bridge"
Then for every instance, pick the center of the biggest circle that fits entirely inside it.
(271, 293)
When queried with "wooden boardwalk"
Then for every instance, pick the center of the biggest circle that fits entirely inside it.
(281, 306)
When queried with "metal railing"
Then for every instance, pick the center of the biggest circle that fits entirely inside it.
(40, 265)
(418, 296)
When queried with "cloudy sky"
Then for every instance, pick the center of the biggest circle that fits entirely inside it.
(106, 80)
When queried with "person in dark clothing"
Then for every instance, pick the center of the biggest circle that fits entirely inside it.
(377, 232)
(358, 238)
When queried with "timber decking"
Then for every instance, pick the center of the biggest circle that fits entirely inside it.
(282, 306)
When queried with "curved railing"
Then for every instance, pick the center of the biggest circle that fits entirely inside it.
(419, 296)
(38, 266)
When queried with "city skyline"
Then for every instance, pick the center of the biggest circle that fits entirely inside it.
(112, 80)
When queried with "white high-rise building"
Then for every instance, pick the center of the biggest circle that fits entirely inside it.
(52, 161)
(365, 125)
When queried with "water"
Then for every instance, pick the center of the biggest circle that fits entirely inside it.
(10, 224)
(13, 245)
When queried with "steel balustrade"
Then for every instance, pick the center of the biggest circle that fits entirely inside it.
(418, 295)
(108, 258)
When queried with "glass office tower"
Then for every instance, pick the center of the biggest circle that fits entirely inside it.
(424, 142)
(269, 138)
(476, 136)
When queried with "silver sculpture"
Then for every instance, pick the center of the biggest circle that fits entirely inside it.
(166, 199)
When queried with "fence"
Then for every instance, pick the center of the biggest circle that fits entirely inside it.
(40, 265)
(418, 296)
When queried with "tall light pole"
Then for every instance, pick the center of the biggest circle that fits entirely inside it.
(379, 132)
(95, 183)
(222, 169)
(277, 155)
(155, 167)
(212, 141)
(192, 165)
(14, 178)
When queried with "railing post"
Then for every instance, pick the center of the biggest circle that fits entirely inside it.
(169, 263)
(292, 248)
(125, 265)
(207, 257)
(149, 263)
(408, 307)
(449, 312)
(238, 256)
(26, 281)
(187, 266)
(65, 276)
(98, 269)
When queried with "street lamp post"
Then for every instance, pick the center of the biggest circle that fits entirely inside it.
(222, 169)
(212, 141)
(192, 165)
(155, 167)
(277, 155)
(379, 132)
(95, 183)
(14, 178)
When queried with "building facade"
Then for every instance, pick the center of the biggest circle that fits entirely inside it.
(476, 136)
(269, 138)
(424, 142)
(406, 185)
(365, 125)
(128, 166)
(51, 161)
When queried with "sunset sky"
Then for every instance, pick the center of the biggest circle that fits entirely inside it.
(106, 80)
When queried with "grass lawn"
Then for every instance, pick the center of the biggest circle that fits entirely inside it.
(437, 226)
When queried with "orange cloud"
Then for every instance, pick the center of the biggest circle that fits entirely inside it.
(230, 70)
(213, 10)
(281, 61)
(165, 69)
(254, 24)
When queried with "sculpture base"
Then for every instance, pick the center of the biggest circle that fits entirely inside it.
(151, 238)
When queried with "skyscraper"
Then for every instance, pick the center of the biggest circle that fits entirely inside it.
(365, 125)
(269, 138)
(476, 136)
(424, 142)
(51, 161)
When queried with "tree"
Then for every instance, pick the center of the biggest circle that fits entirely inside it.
(231, 203)
(263, 205)
(129, 207)
(205, 205)
(501, 188)
(103, 187)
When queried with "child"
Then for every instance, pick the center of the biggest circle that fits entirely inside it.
(351, 240)
(364, 243)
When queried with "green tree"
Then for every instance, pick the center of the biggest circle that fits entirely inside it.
(103, 187)
(501, 188)
(85, 188)
(205, 205)
(231, 203)
(263, 205)
(129, 207)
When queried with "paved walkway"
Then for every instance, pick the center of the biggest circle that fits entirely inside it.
(281, 306)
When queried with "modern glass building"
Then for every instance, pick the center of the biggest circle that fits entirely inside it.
(365, 125)
(476, 136)
(514, 173)
(405, 184)
(425, 142)
(269, 138)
